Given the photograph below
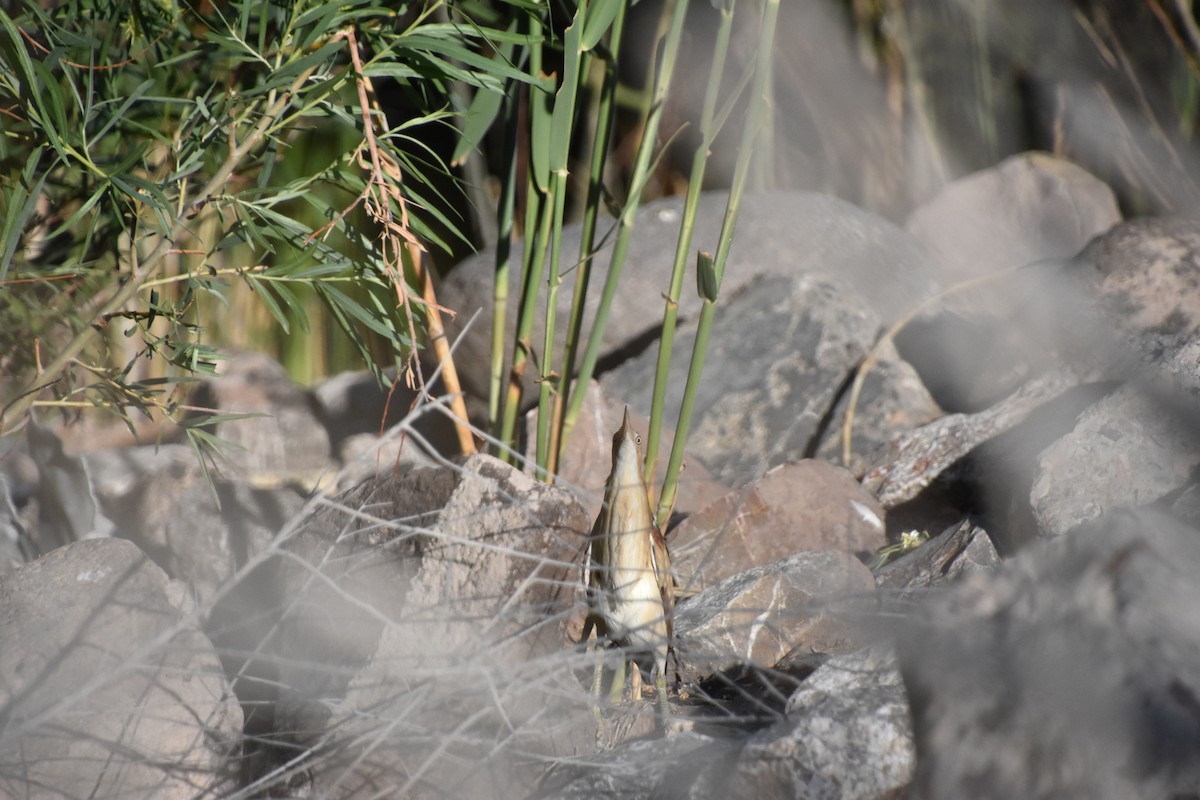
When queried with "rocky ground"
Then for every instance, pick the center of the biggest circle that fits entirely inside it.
(1005, 389)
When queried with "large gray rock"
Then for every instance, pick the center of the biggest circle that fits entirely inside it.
(783, 234)
(279, 437)
(67, 507)
(980, 342)
(426, 613)
(804, 603)
(781, 354)
(1142, 442)
(200, 528)
(107, 686)
(1027, 207)
(353, 404)
(1073, 672)
(846, 735)
(798, 506)
(1128, 449)
(688, 766)
(1147, 274)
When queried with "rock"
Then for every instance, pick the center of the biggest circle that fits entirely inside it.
(367, 455)
(1028, 207)
(688, 766)
(798, 506)
(755, 618)
(979, 344)
(1147, 275)
(1139, 443)
(201, 529)
(893, 400)
(350, 404)
(782, 233)
(1127, 449)
(1071, 673)
(16, 547)
(283, 439)
(958, 552)
(781, 354)
(355, 402)
(918, 458)
(846, 734)
(440, 597)
(1185, 507)
(67, 507)
(107, 686)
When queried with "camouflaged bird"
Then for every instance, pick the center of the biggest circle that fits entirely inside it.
(630, 590)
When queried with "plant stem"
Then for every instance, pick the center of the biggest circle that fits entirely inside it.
(677, 9)
(605, 117)
(506, 223)
(687, 227)
(758, 109)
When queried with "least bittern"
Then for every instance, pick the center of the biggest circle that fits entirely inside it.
(630, 590)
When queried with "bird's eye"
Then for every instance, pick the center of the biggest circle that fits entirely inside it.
(637, 439)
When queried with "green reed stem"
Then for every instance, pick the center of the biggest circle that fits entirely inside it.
(562, 123)
(605, 118)
(506, 221)
(677, 11)
(709, 275)
(687, 227)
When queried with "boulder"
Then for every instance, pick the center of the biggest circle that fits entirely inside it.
(425, 612)
(981, 341)
(1147, 275)
(804, 603)
(1073, 672)
(353, 404)
(107, 686)
(1028, 207)
(798, 506)
(278, 436)
(1128, 449)
(846, 735)
(779, 233)
(781, 356)
(200, 528)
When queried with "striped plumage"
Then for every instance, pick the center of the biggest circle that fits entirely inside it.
(630, 590)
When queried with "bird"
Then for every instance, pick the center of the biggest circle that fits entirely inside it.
(627, 574)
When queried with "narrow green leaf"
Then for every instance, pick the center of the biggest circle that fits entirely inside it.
(478, 119)
(120, 113)
(541, 122)
(21, 205)
(564, 102)
(599, 18)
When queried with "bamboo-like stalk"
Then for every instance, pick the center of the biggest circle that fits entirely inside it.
(605, 118)
(677, 11)
(537, 218)
(562, 123)
(687, 226)
(436, 332)
(709, 276)
(506, 218)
